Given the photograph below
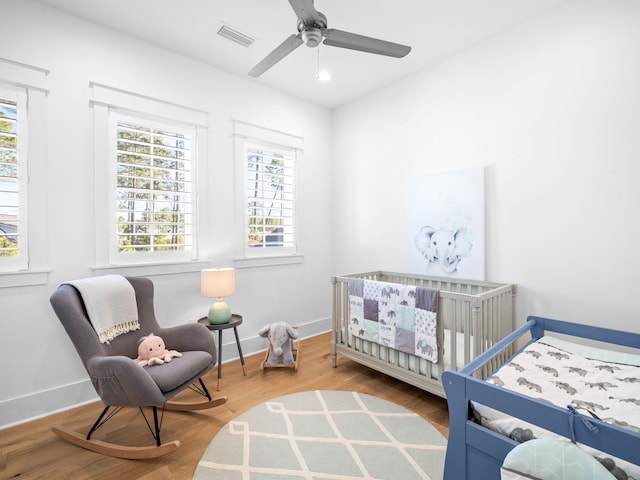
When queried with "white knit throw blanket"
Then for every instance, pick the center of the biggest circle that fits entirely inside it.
(110, 301)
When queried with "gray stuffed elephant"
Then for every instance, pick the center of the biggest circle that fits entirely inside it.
(281, 336)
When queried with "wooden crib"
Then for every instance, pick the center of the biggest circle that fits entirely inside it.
(472, 316)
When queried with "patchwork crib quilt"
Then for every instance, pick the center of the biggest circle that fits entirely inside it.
(403, 317)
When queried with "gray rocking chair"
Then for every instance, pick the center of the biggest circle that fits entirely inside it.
(121, 382)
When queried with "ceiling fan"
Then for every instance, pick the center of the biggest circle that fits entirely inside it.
(312, 28)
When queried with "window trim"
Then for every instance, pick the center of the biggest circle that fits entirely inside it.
(247, 133)
(33, 81)
(108, 102)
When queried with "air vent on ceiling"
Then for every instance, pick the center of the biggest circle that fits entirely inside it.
(236, 36)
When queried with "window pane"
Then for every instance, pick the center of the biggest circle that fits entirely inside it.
(269, 184)
(153, 178)
(9, 190)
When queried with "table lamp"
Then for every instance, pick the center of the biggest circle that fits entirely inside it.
(218, 283)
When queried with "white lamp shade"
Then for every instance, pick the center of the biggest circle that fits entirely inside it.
(217, 282)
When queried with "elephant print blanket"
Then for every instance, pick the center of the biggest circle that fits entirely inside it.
(597, 383)
(403, 317)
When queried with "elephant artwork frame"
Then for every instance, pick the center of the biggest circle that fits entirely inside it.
(446, 224)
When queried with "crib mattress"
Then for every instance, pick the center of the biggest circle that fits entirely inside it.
(596, 382)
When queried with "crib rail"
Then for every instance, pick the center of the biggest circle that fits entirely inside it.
(472, 317)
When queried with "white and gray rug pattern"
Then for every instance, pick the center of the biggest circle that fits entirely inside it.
(325, 435)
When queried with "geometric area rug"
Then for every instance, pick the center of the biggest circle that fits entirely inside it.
(325, 434)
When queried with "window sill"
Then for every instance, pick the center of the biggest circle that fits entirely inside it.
(24, 278)
(150, 269)
(249, 262)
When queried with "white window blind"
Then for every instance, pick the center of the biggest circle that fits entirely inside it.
(13, 139)
(269, 196)
(154, 195)
(8, 178)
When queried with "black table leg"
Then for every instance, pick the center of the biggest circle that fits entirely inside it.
(219, 357)
(235, 330)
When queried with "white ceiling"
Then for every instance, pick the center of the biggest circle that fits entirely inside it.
(435, 29)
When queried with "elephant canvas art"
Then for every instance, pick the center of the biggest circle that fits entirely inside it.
(446, 224)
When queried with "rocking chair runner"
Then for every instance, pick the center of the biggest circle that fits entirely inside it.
(121, 382)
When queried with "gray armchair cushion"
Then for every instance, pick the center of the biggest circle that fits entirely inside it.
(170, 376)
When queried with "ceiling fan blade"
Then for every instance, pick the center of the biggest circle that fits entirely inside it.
(281, 51)
(338, 38)
(307, 12)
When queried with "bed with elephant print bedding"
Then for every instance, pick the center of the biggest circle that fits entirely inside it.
(599, 383)
(414, 327)
(569, 383)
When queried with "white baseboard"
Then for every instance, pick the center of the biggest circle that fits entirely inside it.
(15, 411)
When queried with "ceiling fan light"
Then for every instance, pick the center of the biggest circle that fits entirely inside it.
(312, 37)
(323, 76)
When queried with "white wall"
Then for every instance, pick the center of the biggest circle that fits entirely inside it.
(41, 371)
(552, 110)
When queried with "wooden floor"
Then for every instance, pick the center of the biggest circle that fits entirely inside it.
(32, 451)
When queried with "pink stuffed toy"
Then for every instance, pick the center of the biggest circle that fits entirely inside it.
(151, 351)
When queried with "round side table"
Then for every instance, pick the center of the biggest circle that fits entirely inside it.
(219, 327)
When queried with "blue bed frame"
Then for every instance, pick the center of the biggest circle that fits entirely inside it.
(476, 453)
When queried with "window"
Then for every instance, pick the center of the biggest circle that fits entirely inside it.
(9, 179)
(153, 187)
(23, 175)
(147, 175)
(267, 163)
(269, 193)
